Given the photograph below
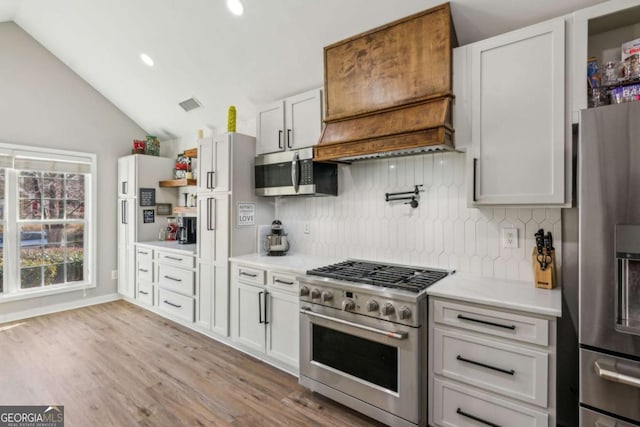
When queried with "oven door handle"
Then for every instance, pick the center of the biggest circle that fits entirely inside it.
(396, 335)
(612, 375)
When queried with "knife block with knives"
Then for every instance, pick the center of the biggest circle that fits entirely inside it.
(544, 261)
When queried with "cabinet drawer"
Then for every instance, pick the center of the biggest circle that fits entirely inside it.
(286, 282)
(176, 279)
(175, 304)
(456, 405)
(590, 418)
(144, 254)
(249, 275)
(510, 370)
(145, 292)
(173, 258)
(492, 322)
(145, 270)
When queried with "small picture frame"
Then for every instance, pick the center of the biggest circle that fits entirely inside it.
(147, 197)
(148, 216)
(164, 208)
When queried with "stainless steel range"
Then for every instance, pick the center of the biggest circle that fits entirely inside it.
(363, 337)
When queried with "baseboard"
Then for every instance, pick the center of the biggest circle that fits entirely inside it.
(55, 308)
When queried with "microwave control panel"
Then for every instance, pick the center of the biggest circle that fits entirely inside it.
(306, 172)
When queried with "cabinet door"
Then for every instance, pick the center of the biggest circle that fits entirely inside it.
(270, 128)
(213, 298)
(126, 176)
(282, 327)
(248, 316)
(213, 228)
(518, 116)
(126, 252)
(303, 119)
(213, 163)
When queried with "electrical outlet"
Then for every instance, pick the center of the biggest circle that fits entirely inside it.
(510, 238)
(114, 274)
(307, 228)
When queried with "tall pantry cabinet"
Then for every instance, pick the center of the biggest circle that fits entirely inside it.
(135, 172)
(228, 215)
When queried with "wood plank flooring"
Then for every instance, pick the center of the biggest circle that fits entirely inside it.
(116, 364)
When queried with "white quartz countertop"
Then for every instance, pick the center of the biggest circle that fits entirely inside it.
(292, 263)
(511, 294)
(171, 245)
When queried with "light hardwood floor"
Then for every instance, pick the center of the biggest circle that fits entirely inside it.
(116, 364)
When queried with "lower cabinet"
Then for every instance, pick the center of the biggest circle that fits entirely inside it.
(264, 314)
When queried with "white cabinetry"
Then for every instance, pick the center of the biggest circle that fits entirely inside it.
(292, 123)
(145, 276)
(126, 239)
(490, 365)
(175, 281)
(264, 314)
(516, 86)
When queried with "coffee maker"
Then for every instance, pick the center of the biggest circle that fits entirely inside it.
(186, 230)
(276, 243)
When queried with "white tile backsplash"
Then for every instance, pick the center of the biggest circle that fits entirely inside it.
(441, 232)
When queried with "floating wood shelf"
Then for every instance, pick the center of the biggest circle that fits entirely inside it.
(178, 182)
(191, 152)
(185, 210)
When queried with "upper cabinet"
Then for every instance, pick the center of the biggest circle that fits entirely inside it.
(292, 123)
(213, 163)
(511, 108)
(599, 31)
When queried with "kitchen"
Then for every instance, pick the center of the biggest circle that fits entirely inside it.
(447, 230)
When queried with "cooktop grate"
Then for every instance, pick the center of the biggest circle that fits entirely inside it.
(413, 279)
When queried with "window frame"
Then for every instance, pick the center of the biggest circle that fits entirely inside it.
(11, 222)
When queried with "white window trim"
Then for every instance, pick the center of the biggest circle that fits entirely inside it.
(90, 258)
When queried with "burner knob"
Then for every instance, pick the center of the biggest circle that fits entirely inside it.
(348, 305)
(304, 291)
(327, 296)
(315, 293)
(372, 305)
(404, 312)
(387, 309)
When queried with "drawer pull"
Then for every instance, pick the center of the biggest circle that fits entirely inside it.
(612, 375)
(470, 319)
(284, 282)
(144, 270)
(143, 252)
(173, 278)
(242, 273)
(473, 417)
(173, 258)
(144, 293)
(473, 362)
(172, 304)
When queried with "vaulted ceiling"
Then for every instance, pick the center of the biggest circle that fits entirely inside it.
(201, 50)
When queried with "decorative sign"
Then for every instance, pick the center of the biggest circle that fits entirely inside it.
(246, 214)
(148, 216)
(164, 208)
(147, 197)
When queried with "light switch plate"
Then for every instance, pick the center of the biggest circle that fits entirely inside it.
(510, 238)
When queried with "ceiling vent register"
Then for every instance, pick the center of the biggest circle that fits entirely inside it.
(190, 104)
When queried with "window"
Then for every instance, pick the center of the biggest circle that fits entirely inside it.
(46, 224)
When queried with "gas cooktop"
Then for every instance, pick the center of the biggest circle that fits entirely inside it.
(408, 278)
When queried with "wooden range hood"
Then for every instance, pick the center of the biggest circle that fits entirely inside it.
(388, 91)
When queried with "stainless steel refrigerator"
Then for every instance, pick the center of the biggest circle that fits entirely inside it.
(609, 260)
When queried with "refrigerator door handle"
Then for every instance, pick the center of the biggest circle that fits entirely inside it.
(607, 372)
(123, 211)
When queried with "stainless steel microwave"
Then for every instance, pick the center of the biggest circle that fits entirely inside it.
(294, 173)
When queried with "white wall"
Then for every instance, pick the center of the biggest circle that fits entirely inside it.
(441, 232)
(45, 104)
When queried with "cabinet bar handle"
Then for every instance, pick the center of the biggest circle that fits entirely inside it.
(483, 365)
(242, 273)
(210, 227)
(475, 169)
(173, 278)
(260, 307)
(485, 322)
(144, 293)
(144, 270)
(172, 304)
(125, 187)
(173, 258)
(266, 322)
(289, 138)
(143, 252)
(473, 417)
(284, 282)
(280, 139)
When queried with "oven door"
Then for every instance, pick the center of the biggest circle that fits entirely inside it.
(375, 361)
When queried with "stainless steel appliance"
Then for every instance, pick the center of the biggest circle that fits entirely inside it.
(363, 337)
(609, 258)
(276, 242)
(187, 229)
(293, 173)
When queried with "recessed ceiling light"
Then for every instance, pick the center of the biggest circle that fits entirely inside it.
(146, 59)
(236, 7)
